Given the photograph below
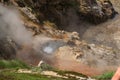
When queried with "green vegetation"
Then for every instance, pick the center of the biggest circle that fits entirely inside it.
(12, 75)
(45, 66)
(63, 73)
(9, 71)
(7, 75)
(69, 73)
(12, 64)
(105, 76)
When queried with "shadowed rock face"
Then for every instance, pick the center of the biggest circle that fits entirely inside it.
(7, 49)
(95, 11)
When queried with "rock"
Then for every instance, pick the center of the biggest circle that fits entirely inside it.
(24, 71)
(75, 35)
(27, 11)
(97, 11)
(7, 49)
(80, 52)
(40, 63)
(116, 4)
(57, 11)
(98, 57)
(52, 73)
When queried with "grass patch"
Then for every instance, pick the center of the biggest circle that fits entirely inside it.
(12, 64)
(9, 71)
(105, 76)
(45, 66)
(70, 72)
(5, 75)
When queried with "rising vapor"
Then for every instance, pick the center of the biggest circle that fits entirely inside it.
(11, 26)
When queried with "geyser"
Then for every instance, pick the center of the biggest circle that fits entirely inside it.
(51, 46)
(48, 49)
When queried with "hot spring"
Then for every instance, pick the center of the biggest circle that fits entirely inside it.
(51, 46)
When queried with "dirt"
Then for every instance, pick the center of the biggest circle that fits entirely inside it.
(93, 52)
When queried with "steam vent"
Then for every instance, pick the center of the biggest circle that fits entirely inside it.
(59, 39)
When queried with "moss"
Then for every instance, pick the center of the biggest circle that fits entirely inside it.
(105, 76)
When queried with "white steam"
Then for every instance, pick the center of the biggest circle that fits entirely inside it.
(48, 50)
(11, 25)
(51, 46)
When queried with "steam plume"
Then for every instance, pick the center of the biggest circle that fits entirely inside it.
(11, 25)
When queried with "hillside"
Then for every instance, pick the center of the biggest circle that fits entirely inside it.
(76, 35)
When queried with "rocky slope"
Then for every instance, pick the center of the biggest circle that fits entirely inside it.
(58, 11)
(62, 49)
